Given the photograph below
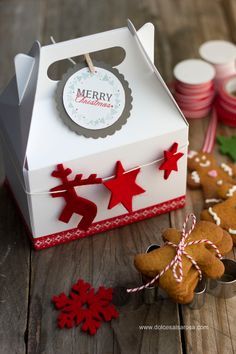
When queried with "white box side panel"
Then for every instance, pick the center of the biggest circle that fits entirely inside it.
(17, 190)
(46, 210)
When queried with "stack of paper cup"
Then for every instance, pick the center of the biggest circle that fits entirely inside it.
(222, 55)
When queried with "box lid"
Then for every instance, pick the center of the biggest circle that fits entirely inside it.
(44, 140)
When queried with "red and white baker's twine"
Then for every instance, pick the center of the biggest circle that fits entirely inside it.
(176, 262)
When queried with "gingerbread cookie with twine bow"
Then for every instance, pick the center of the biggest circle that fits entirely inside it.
(224, 214)
(185, 257)
(206, 173)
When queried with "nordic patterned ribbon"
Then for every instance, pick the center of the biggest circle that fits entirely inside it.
(176, 262)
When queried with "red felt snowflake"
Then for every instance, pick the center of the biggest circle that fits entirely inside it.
(170, 160)
(84, 306)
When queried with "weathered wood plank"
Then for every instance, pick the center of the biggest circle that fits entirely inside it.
(191, 24)
(17, 31)
(14, 277)
(103, 259)
(148, 329)
(20, 26)
(229, 11)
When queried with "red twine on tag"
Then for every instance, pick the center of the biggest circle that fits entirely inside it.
(177, 263)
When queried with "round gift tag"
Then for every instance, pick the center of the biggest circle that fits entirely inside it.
(194, 72)
(94, 104)
(218, 51)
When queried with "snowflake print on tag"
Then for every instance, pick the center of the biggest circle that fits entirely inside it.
(85, 307)
(74, 203)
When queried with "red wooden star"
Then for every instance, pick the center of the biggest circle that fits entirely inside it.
(123, 187)
(170, 160)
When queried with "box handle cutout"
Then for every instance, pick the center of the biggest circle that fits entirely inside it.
(113, 56)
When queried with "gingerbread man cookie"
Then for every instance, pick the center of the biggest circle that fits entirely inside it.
(205, 172)
(224, 214)
(153, 263)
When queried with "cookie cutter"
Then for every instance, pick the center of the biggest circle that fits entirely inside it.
(225, 287)
(199, 295)
(150, 293)
(153, 293)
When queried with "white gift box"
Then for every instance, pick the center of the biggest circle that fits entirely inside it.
(35, 139)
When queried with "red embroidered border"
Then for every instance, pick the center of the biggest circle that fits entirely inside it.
(101, 226)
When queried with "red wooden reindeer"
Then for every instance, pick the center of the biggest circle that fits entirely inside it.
(74, 203)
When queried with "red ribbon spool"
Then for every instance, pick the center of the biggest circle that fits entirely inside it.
(197, 95)
(226, 101)
(195, 101)
(194, 88)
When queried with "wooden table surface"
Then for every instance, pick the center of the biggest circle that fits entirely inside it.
(28, 279)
